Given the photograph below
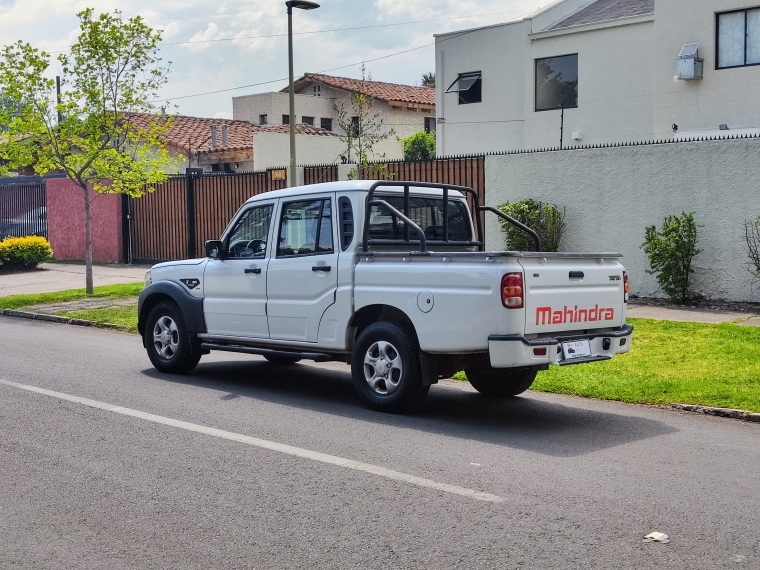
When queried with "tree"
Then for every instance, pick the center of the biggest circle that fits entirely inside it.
(419, 146)
(428, 79)
(110, 78)
(362, 127)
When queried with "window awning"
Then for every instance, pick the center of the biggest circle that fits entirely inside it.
(463, 83)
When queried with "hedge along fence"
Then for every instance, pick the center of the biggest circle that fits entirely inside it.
(24, 253)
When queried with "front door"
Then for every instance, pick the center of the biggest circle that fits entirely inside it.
(235, 288)
(303, 272)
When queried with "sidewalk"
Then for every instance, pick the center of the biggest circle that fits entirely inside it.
(62, 276)
(692, 315)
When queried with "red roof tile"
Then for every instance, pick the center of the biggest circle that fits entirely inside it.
(377, 89)
(194, 133)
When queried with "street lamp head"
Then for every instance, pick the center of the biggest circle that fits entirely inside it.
(302, 4)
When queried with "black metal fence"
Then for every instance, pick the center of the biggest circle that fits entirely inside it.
(23, 208)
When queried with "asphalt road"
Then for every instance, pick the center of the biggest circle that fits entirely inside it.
(135, 478)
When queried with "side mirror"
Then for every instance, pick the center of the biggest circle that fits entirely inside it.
(214, 249)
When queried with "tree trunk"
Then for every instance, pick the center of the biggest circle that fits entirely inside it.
(88, 241)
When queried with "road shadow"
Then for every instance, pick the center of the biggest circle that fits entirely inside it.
(526, 422)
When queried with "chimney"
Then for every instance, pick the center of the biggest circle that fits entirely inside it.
(224, 136)
(213, 136)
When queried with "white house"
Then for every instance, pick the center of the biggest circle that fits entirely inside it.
(624, 70)
(406, 109)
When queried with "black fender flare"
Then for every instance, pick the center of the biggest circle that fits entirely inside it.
(191, 307)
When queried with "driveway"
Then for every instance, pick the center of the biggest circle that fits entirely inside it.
(107, 463)
(62, 276)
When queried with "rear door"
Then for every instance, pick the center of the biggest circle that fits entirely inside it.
(563, 295)
(302, 276)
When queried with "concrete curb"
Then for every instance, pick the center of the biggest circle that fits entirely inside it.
(60, 320)
(720, 412)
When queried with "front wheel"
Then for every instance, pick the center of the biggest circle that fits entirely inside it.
(167, 341)
(499, 382)
(385, 366)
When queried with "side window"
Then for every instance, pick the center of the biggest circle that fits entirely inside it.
(249, 237)
(426, 213)
(346, 220)
(306, 228)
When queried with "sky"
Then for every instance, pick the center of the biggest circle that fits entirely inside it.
(252, 53)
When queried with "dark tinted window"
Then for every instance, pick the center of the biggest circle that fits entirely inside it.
(325, 124)
(426, 213)
(557, 83)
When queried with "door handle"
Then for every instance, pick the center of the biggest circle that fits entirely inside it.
(321, 268)
(254, 270)
(576, 275)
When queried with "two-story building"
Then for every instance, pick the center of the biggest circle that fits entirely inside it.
(405, 109)
(585, 72)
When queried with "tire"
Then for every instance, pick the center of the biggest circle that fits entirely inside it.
(499, 382)
(282, 360)
(167, 342)
(385, 366)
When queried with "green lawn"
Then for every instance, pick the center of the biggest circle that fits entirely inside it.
(125, 316)
(108, 291)
(671, 362)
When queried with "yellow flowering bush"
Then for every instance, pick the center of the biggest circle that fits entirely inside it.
(24, 252)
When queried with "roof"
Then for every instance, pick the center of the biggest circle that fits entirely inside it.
(389, 92)
(346, 186)
(194, 133)
(604, 11)
(301, 129)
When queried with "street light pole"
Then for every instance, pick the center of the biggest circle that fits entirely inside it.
(303, 5)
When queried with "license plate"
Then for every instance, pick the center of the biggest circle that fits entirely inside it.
(576, 349)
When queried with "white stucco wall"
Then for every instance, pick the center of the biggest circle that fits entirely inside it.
(403, 122)
(612, 194)
(724, 96)
(626, 86)
(272, 150)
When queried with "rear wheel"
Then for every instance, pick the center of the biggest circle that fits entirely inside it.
(282, 360)
(385, 366)
(499, 382)
(168, 344)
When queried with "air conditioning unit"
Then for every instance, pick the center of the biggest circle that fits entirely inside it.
(689, 65)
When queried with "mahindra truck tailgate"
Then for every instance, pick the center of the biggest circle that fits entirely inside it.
(572, 294)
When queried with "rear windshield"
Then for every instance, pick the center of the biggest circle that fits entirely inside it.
(426, 213)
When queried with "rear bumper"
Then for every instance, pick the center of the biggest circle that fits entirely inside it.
(515, 351)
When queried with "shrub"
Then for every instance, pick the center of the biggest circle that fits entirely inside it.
(547, 220)
(752, 237)
(671, 252)
(24, 253)
(419, 146)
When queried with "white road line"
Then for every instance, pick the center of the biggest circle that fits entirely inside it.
(265, 444)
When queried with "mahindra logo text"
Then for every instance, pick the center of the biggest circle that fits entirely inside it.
(548, 316)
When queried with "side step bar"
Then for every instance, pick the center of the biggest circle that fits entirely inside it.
(315, 356)
(584, 360)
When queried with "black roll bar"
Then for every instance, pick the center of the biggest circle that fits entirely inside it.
(511, 220)
(478, 208)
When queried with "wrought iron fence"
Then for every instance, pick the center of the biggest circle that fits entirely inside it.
(23, 209)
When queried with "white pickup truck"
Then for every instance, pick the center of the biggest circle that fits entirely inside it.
(393, 278)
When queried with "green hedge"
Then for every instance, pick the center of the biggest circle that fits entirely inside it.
(545, 219)
(24, 253)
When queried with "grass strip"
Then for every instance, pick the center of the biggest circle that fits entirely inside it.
(105, 291)
(670, 362)
(125, 316)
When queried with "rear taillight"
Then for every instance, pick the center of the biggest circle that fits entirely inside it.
(626, 287)
(512, 291)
